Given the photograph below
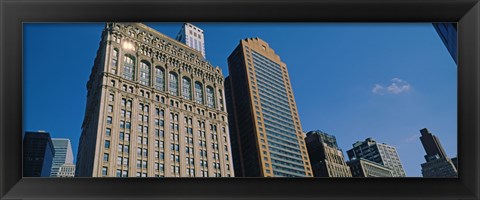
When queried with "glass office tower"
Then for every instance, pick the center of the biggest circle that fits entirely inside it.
(265, 129)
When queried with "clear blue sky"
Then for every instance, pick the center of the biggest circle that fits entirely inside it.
(385, 81)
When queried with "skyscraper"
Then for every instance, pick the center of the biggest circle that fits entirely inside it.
(267, 138)
(63, 154)
(155, 108)
(193, 37)
(38, 154)
(325, 156)
(432, 145)
(437, 162)
(380, 153)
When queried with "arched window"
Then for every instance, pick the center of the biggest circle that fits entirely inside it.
(210, 97)
(144, 73)
(159, 79)
(173, 84)
(199, 92)
(186, 88)
(128, 67)
(114, 61)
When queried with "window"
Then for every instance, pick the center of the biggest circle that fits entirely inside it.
(111, 97)
(109, 120)
(108, 132)
(104, 171)
(186, 88)
(198, 92)
(107, 144)
(105, 157)
(119, 160)
(110, 108)
(129, 67)
(210, 97)
(119, 173)
(144, 73)
(114, 61)
(159, 78)
(173, 83)
(121, 136)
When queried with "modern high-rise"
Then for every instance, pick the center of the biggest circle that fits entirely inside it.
(380, 153)
(437, 162)
(38, 154)
(366, 168)
(325, 157)
(63, 154)
(267, 138)
(193, 37)
(155, 108)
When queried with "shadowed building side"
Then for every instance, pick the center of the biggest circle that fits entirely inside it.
(38, 153)
(326, 158)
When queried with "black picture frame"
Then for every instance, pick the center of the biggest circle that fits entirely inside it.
(15, 12)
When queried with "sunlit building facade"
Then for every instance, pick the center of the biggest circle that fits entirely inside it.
(267, 137)
(155, 108)
(193, 37)
(63, 154)
(380, 153)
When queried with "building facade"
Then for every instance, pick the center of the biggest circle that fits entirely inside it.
(267, 138)
(63, 154)
(439, 168)
(155, 108)
(66, 171)
(325, 157)
(38, 154)
(380, 153)
(366, 168)
(193, 37)
(437, 162)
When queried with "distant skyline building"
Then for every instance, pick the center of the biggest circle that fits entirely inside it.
(432, 145)
(267, 137)
(380, 153)
(437, 162)
(38, 152)
(366, 168)
(155, 108)
(63, 154)
(325, 156)
(193, 37)
(448, 34)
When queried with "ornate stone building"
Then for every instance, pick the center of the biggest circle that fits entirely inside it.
(155, 108)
